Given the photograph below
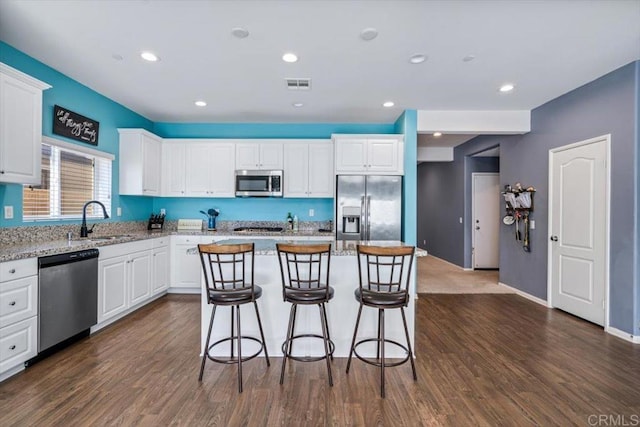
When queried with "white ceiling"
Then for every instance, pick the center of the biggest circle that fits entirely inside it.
(546, 48)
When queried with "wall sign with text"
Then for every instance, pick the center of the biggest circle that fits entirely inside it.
(75, 126)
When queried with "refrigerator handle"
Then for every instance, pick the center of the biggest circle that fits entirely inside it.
(368, 217)
(363, 218)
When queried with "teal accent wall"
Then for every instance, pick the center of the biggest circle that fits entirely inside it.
(407, 124)
(246, 209)
(265, 130)
(81, 99)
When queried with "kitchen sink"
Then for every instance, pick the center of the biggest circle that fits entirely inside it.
(259, 229)
(105, 238)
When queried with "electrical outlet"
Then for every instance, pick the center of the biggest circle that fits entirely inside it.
(312, 212)
(119, 211)
(460, 220)
(8, 212)
(163, 211)
(424, 242)
(532, 224)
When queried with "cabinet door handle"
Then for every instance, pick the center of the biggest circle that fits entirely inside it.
(12, 303)
(13, 347)
(13, 270)
(1, 172)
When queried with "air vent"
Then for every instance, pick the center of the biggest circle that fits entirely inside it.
(298, 84)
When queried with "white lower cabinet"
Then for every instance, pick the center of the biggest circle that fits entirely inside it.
(186, 267)
(127, 275)
(160, 266)
(18, 314)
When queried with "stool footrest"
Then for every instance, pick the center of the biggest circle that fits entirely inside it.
(234, 360)
(307, 358)
(379, 362)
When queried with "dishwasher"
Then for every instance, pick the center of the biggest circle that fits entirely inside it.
(67, 298)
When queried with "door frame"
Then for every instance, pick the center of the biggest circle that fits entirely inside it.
(607, 140)
(473, 211)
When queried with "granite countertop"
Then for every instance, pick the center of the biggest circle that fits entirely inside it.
(18, 250)
(338, 247)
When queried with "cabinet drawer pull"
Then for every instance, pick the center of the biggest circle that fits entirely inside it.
(13, 270)
(12, 303)
(13, 347)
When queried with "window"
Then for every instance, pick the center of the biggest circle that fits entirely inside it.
(71, 176)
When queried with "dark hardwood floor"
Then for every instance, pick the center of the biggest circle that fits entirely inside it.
(481, 359)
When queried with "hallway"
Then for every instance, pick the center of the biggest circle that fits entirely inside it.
(436, 276)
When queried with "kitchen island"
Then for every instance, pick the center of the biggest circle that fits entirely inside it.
(341, 310)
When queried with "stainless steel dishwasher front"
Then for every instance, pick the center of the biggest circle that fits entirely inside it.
(68, 296)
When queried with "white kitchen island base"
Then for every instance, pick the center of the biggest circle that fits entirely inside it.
(341, 312)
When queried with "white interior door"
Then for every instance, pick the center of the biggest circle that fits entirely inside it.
(579, 231)
(485, 203)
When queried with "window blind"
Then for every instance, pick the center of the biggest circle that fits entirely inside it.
(70, 178)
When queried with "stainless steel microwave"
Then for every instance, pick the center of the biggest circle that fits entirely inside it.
(258, 183)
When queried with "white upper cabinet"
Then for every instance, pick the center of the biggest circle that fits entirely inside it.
(210, 169)
(308, 169)
(173, 178)
(369, 154)
(259, 155)
(20, 126)
(140, 155)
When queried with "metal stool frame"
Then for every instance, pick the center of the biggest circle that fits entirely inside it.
(218, 263)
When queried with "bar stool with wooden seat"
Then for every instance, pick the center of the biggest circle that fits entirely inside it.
(384, 284)
(228, 272)
(305, 281)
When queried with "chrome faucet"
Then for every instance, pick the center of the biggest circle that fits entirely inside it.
(83, 228)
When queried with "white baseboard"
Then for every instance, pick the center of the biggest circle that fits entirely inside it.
(184, 291)
(623, 335)
(128, 311)
(11, 372)
(525, 295)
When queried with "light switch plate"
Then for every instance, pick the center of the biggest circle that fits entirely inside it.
(8, 212)
(532, 224)
(119, 211)
(311, 212)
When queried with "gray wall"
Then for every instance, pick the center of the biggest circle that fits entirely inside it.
(444, 196)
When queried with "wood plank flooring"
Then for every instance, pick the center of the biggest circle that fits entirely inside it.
(482, 360)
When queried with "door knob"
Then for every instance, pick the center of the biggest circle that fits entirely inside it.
(554, 238)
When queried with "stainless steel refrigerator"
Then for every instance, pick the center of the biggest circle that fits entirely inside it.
(369, 207)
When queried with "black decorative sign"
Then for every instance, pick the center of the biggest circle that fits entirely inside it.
(75, 126)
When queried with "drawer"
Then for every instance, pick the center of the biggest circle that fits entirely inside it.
(160, 242)
(18, 343)
(18, 300)
(185, 239)
(18, 269)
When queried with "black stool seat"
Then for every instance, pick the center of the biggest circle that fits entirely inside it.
(235, 296)
(305, 281)
(381, 299)
(308, 295)
(385, 273)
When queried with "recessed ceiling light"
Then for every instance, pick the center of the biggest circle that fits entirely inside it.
(289, 57)
(149, 56)
(418, 58)
(201, 103)
(240, 32)
(297, 104)
(507, 87)
(437, 134)
(388, 104)
(368, 34)
(468, 58)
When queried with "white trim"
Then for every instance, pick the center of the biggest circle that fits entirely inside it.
(17, 74)
(474, 122)
(76, 147)
(95, 328)
(11, 372)
(623, 335)
(526, 295)
(607, 241)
